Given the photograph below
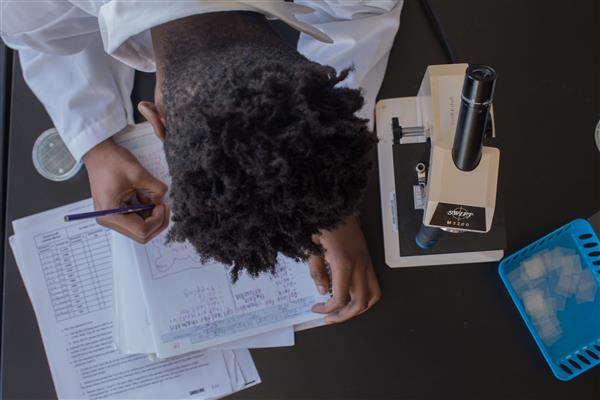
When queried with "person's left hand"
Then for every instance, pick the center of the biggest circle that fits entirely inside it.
(354, 284)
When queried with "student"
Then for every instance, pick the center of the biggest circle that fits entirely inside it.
(266, 144)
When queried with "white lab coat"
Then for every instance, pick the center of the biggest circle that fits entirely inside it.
(79, 56)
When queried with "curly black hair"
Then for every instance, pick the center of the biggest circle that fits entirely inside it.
(264, 150)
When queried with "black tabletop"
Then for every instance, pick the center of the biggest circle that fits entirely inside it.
(445, 332)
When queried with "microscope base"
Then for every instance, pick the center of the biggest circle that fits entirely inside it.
(401, 221)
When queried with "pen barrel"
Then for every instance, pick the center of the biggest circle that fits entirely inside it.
(77, 217)
(113, 211)
(476, 100)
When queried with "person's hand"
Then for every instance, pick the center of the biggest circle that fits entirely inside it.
(116, 180)
(353, 281)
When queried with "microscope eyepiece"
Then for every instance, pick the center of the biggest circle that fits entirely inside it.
(476, 99)
(480, 73)
(479, 84)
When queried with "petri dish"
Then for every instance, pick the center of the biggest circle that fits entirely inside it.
(598, 135)
(52, 159)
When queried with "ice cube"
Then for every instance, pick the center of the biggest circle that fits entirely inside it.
(552, 257)
(564, 251)
(548, 329)
(535, 283)
(516, 281)
(547, 257)
(552, 304)
(567, 284)
(514, 275)
(570, 264)
(533, 267)
(535, 303)
(561, 301)
(586, 288)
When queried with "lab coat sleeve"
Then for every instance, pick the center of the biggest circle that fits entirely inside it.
(85, 91)
(53, 26)
(86, 94)
(363, 32)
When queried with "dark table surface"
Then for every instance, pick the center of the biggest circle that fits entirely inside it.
(446, 332)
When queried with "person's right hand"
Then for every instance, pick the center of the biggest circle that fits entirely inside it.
(116, 180)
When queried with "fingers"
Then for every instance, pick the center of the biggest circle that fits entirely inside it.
(364, 294)
(341, 277)
(318, 272)
(152, 186)
(359, 294)
(374, 289)
(118, 179)
(134, 226)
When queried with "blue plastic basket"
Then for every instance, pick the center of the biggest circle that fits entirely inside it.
(578, 348)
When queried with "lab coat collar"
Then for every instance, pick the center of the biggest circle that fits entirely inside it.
(125, 25)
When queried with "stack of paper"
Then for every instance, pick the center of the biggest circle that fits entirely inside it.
(123, 320)
(67, 270)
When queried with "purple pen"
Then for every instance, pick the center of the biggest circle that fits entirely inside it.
(113, 211)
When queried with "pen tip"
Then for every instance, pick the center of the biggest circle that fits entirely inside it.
(66, 218)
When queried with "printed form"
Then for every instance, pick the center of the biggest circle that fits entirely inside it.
(67, 270)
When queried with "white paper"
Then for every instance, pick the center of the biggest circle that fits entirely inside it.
(203, 308)
(282, 337)
(132, 329)
(242, 371)
(309, 325)
(67, 270)
(131, 326)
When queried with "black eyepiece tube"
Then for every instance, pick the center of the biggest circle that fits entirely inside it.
(477, 95)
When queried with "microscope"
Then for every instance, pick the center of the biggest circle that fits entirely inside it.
(439, 165)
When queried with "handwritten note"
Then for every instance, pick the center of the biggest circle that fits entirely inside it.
(193, 306)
